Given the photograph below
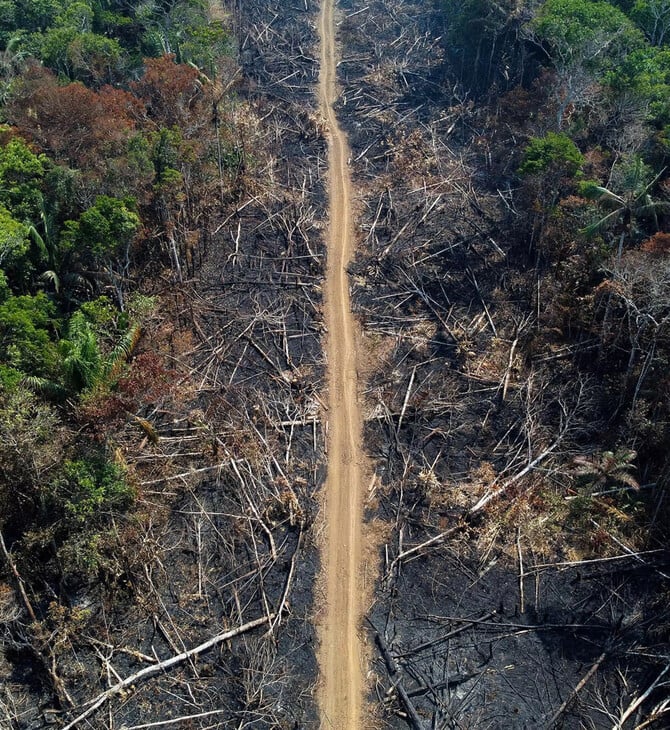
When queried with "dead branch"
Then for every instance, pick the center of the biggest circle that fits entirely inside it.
(183, 718)
(589, 561)
(508, 370)
(121, 649)
(639, 700)
(17, 578)
(394, 674)
(436, 540)
(289, 581)
(405, 402)
(519, 475)
(522, 600)
(164, 665)
(580, 685)
(467, 623)
(49, 660)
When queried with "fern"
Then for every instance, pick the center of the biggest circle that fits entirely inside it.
(608, 467)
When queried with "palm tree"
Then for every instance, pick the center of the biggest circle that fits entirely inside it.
(632, 203)
(84, 367)
(61, 272)
(11, 63)
(82, 362)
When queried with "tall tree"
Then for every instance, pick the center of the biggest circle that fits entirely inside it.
(653, 16)
(581, 38)
(105, 119)
(21, 175)
(482, 41)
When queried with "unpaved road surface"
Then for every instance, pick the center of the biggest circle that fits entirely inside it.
(341, 657)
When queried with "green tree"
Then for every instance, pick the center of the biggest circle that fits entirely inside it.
(653, 16)
(108, 227)
(184, 28)
(64, 35)
(82, 56)
(102, 238)
(551, 152)
(637, 96)
(14, 248)
(8, 21)
(87, 488)
(80, 502)
(4, 287)
(29, 451)
(37, 15)
(582, 39)
(21, 176)
(548, 167)
(26, 327)
(77, 15)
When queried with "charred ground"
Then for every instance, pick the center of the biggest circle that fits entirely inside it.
(227, 459)
(511, 598)
(514, 400)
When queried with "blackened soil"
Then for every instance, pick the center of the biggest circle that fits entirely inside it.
(498, 624)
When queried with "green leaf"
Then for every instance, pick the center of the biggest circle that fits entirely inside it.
(553, 151)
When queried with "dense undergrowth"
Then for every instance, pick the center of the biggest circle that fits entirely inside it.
(575, 126)
(108, 146)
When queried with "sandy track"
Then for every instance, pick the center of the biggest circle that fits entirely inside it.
(340, 652)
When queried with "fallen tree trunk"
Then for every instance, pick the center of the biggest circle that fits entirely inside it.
(147, 672)
(394, 674)
(580, 685)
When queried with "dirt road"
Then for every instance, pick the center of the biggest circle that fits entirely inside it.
(340, 655)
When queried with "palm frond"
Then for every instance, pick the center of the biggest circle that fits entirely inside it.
(600, 225)
(37, 239)
(51, 276)
(624, 477)
(120, 354)
(609, 466)
(585, 462)
(44, 386)
(81, 361)
(602, 194)
(652, 207)
(656, 179)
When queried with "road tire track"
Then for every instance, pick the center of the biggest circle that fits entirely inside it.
(340, 651)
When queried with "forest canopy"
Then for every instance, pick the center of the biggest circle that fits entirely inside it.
(105, 138)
